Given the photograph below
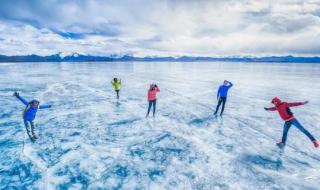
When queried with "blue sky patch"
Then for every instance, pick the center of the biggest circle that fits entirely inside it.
(71, 35)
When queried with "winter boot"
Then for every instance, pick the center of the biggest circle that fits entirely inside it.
(315, 143)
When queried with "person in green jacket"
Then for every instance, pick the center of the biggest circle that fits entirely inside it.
(116, 83)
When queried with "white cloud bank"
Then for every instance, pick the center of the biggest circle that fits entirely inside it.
(163, 27)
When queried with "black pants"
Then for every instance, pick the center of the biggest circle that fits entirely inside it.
(152, 103)
(117, 91)
(222, 100)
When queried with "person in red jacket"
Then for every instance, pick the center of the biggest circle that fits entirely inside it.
(285, 113)
(152, 98)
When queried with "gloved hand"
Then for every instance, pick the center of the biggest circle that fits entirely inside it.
(16, 94)
(266, 109)
(306, 102)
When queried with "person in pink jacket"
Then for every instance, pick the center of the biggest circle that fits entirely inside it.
(152, 98)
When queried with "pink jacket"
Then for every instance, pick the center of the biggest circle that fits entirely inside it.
(152, 94)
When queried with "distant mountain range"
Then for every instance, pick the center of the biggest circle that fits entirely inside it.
(75, 57)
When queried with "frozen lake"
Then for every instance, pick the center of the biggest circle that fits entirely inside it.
(88, 140)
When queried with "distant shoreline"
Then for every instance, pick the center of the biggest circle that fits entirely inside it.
(127, 58)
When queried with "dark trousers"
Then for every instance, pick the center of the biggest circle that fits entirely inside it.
(28, 128)
(152, 103)
(117, 91)
(222, 100)
(296, 123)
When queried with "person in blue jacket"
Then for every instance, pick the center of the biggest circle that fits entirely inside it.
(29, 113)
(222, 95)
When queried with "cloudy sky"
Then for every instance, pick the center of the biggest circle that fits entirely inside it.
(160, 27)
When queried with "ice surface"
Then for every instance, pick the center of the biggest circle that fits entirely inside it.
(88, 140)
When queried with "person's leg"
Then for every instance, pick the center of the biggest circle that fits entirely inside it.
(32, 129)
(296, 123)
(117, 91)
(154, 107)
(26, 125)
(224, 100)
(286, 128)
(217, 108)
(150, 104)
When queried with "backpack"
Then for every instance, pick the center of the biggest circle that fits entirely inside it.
(288, 110)
(26, 109)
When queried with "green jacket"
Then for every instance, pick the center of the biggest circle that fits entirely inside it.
(116, 85)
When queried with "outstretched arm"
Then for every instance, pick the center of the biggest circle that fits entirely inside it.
(20, 98)
(271, 109)
(45, 106)
(293, 104)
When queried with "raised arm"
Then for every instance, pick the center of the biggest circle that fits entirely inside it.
(45, 106)
(157, 88)
(293, 104)
(20, 98)
(230, 84)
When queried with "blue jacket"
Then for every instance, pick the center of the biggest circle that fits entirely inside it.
(31, 112)
(223, 90)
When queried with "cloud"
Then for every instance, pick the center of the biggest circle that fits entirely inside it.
(166, 27)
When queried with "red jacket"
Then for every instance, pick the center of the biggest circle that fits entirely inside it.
(152, 93)
(284, 108)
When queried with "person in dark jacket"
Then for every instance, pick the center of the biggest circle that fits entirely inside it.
(29, 113)
(285, 113)
(222, 95)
